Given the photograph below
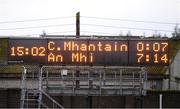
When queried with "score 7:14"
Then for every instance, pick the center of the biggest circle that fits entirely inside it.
(156, 57)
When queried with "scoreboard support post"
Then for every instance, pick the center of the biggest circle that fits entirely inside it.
(77, 36)
(40, 86)
(169, 82)
(23, 90)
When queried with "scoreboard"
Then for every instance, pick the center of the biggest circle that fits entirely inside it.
(92, 52)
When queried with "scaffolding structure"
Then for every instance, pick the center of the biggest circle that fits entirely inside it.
(92, 81)
(32, 97)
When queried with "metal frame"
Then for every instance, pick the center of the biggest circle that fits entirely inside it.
(102, 79)
(25, 91)
(98, 84)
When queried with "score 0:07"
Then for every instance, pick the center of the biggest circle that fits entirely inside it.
(156, 47)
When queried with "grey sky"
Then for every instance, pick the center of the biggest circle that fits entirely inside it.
(143, 10)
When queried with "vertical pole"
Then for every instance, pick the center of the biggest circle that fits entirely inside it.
(73, 81)
(145, 83)
(115, 76)
(104, 78)
(100, 82)
(133, 79)
(77, 24)
(90, 80)
(120, 81)
(23, 90)
(77, 36)
(160, 101)
(140, 89)
(40, 87)
(140, 77)
(169, 82)
(77, 79)
(47, 79)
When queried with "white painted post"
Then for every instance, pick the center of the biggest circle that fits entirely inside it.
(160, 101)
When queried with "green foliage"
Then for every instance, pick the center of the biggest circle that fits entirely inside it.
(11, 69)
(174, 47)
(3, 51)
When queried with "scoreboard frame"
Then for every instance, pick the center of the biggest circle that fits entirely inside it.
(128, 63)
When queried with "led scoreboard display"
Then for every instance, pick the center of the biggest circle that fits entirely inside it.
(151, 52)
(93, 52)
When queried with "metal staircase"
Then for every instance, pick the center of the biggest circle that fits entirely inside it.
(33, 98)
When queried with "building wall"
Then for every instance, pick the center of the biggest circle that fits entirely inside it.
(175, 73)
(10, 98)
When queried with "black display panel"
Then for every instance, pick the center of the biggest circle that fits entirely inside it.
(87, 52)
(27, 51)
(109, 52)
(91, 52)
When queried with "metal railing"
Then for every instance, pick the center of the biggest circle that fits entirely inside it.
(93, 80)
(38, 94)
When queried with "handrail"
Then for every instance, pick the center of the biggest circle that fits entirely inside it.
(52, 99)
(43, 105)
(94, 67)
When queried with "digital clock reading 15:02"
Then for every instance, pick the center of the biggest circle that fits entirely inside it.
(22, 51)
(93, 52)
(28, 50)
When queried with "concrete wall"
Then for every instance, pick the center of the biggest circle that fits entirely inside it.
(176, 65)
(11, 98)
(175, 73)
(16, 83)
